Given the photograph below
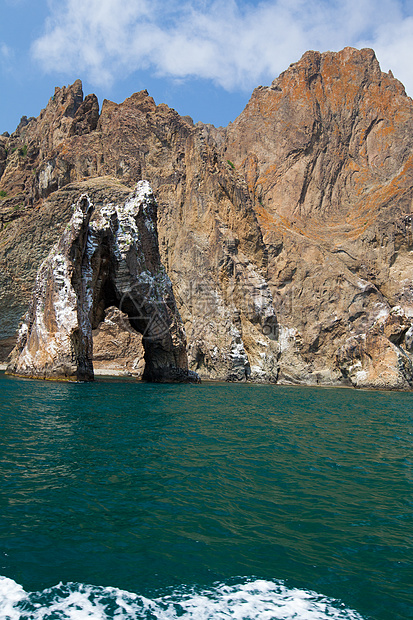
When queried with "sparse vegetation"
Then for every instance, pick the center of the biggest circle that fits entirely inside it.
(22, 150)
(231, 164)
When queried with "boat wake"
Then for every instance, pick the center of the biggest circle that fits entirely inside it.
(250, 599)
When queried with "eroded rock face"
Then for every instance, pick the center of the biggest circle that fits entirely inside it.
(327, 152)
(117, 347)
(287, 236)
(55, 338)
(379, 359)
(111, 260)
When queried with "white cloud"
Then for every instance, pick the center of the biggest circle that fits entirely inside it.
(235, 44)
(393, 43)
(5, 51)
(6, 57)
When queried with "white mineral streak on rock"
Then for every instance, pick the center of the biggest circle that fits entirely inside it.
(128, 234)
(257, 370)
(232, 327)
(260, 294)
(145, 197)
(58, 311)
(65, 299)
(217, 341)
(45, 176)
(287, 338)
(118, 252)
(128, 240)
(360, 375)
(238, 356)
(103, 218)
(263, 329)
(382, 311)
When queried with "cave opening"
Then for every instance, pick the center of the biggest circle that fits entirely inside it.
(112, 287)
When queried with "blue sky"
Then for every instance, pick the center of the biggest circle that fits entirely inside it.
(201, 57)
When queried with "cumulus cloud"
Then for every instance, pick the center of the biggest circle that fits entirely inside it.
(234, 43)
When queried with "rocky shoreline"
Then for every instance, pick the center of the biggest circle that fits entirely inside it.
(286, 237)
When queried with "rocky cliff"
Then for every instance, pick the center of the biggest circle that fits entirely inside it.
(287, 236)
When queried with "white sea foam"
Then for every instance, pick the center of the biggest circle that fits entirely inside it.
(11, 593)
(248, 600)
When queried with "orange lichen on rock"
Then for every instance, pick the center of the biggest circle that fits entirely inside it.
(294, 222)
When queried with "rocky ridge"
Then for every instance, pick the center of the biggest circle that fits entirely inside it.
(287, 236)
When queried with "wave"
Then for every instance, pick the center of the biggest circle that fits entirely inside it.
(251, 599)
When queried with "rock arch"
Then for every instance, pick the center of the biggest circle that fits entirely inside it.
(105, 258)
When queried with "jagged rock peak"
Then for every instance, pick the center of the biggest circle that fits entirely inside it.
(70, 96)
(349, 64)
(287, 236)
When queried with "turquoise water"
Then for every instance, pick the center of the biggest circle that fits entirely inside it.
(126, 500)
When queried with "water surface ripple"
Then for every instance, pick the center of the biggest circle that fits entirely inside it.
(153, 488)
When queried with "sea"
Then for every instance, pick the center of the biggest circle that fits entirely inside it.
(125, 500)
